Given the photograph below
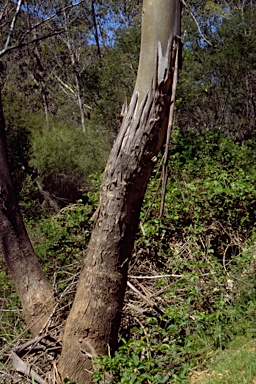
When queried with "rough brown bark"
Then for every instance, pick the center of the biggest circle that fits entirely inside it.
(35, 293)
(93, 323)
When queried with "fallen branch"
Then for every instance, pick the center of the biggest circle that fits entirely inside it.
(146, 299)
(153, 277)
(34, 341)
(25, 368)
(47, 197)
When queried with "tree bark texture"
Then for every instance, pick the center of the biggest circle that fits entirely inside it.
(93, 323)
(159, 19)
(35, 292)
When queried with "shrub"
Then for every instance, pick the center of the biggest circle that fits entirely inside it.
(65, 149)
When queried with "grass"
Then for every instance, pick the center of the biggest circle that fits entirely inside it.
(235, 365)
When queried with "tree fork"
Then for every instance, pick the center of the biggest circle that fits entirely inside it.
(93, 323)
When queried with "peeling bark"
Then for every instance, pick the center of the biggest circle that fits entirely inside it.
(93, 323)
(159, 19)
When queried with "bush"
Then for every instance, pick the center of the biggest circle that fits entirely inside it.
(65, 149)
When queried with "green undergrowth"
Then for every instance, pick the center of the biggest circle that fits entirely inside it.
(60, 241)
(205, 309)
(11, 319)
(204, 245)
(12, 324)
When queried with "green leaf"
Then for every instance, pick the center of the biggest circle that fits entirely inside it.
(136, 360)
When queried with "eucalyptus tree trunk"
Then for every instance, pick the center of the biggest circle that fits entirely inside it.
(35, 292)
(93, 323)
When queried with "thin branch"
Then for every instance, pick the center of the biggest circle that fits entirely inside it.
(21, 42)
(96, 34)
(163, 276)
(146, 299)
(10, 34)
(53, 16)
(153, 277)
(169, 129)
(22, 45)
(2, 11)
(197, 24)
(64, 84)
(33, 342)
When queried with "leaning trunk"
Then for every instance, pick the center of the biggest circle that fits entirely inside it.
(94, 320)
(34, 291)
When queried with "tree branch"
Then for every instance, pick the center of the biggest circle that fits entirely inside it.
(21, 42)
(197, 24)
(10, 34)
(35, 40)
(3, 10)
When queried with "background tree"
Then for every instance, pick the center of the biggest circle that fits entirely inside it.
(32, 286)
(208, 86)
(31, 90)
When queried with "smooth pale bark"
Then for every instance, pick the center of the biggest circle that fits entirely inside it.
(92, 326)
(156, 19)
(74, 57)
(35, 292)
